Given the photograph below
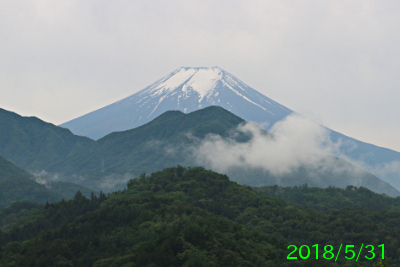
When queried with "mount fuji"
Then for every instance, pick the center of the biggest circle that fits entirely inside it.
(187, 90)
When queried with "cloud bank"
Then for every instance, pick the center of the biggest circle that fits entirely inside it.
(293, 142)
(295, 151)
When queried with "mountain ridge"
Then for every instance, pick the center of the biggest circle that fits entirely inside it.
(174, 138)
(185, 89)
(51, 142)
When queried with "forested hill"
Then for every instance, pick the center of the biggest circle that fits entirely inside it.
(36, 145)
(16, 184)
(144, 149)
(329, 198)
(192, 217)
(33, 144)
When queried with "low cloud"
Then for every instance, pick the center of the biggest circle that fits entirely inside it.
(44, 178)
(388, 172)
(293, 142)
(295, 151)
(114, 182)
(107, 183)
(389, 169)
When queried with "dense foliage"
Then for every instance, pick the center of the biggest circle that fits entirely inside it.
(190, 217)
(16, 211)
(332, 198)
(34, 144)
(17, 185)
(66, 190)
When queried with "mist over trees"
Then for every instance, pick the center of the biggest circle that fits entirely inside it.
(196, 217)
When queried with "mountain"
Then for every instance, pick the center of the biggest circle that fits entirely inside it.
(330, 198)
(54, 152)
(17, 185)
(32, 143)
(187, 90)
(112, 160)
(380, 161)
(196, 217)
(35, 145)
(143, 149)
(190, 89)
(170, 139)
(175, 137)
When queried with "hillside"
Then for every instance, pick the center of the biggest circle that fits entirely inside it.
(33, 144)
(191, 217)
(325, 199)
(17, 210)
(143, 149)
(17, 185)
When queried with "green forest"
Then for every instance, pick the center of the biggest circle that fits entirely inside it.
(197, 217)
(17, 185)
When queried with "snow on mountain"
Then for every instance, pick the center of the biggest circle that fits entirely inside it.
(190, 89)
(185, 89)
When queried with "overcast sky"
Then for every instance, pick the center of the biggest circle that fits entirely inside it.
(337, 62)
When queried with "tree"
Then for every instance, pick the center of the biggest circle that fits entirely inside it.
(1, 242)
(78, 196)
(382, 263)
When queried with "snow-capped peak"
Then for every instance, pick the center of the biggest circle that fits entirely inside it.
(200, 80)
(185, 89)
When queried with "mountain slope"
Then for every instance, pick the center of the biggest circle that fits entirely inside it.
(18, 185)
(330, 198)
(144, 149)
(32, 143)
(190, 89)
(380, 161)
(187, 90)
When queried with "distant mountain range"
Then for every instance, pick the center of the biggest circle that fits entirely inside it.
(170, 139)
(189, 89)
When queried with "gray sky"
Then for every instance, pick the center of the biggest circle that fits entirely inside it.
(337, 62)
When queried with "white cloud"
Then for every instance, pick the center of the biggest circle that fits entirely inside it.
(294, 142)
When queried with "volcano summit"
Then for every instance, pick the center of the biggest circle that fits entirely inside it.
(187, 90)
(190, 89)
